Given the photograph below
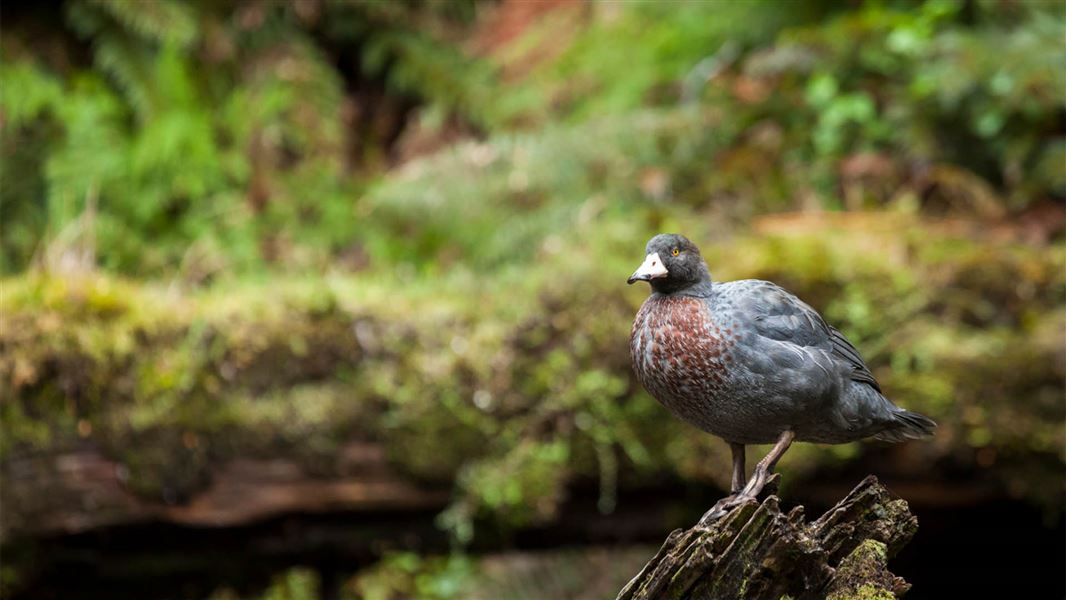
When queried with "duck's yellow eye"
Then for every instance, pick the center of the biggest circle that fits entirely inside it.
(675, 252)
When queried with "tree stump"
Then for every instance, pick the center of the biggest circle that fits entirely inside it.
(756, 551)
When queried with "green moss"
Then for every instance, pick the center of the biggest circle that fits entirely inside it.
(515, 394)
(862, 574)
(866, 592)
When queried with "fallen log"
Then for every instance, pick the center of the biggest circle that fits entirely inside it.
(757, 552)
(83, 490)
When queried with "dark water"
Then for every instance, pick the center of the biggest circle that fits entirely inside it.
(1000, 549)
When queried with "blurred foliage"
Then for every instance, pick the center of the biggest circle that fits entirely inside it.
(294, 584)
(204, 140)
(408, 575)
(669, 47)
(274, 226)
(567, 573)
(201, 137)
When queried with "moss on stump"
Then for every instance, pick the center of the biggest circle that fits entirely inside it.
(757, 552)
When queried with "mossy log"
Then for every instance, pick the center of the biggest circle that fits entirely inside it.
(757, 552)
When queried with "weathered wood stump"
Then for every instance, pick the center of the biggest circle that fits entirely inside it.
(756, 552)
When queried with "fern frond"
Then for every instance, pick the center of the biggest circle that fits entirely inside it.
(163, 21)
(26, 92)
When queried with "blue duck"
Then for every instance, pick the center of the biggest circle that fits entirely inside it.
(752, 364)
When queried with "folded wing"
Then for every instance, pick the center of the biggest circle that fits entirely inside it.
(779, 315)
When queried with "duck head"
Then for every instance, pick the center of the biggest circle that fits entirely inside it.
(671, 263)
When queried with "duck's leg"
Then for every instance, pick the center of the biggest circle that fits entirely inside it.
(766, 466)
(757, 482)
(739, 476)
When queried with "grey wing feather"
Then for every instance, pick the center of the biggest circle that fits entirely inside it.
(783, 316)
(843, 349)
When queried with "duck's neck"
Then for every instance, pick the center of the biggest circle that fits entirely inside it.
(700, 288)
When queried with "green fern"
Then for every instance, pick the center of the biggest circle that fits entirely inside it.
(162, 21)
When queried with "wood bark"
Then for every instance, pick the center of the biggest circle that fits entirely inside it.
(82, 491)
(757, 552)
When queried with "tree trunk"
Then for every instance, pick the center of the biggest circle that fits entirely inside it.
(757, 552)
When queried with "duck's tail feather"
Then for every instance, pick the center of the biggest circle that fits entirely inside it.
(907, 425)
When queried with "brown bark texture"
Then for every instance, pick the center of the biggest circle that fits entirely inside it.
(757, 552)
